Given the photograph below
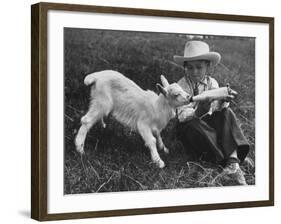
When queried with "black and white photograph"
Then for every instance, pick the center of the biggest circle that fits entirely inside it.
(152, 111)
(140, 111)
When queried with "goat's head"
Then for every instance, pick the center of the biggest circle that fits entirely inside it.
(175, 95)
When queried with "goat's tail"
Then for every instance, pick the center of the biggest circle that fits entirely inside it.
(90, 79)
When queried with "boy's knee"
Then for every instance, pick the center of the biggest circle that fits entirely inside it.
(227, 110)
(228, 113)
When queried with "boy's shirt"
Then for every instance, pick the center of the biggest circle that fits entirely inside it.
(198, 109)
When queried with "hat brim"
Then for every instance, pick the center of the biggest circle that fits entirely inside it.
(213, 57)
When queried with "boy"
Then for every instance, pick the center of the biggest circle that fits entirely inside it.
(210, 129)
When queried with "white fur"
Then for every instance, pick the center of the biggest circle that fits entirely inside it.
(143, 111)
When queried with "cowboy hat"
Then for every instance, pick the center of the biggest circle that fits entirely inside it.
(197, 50)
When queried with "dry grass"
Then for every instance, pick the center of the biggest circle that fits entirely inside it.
(120, 162)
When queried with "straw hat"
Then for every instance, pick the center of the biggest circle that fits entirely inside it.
(197, 50)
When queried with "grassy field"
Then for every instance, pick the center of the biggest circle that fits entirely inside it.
(116, 158)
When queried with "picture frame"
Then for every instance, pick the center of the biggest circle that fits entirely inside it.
(43, 159)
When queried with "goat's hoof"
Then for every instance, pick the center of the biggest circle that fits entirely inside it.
(80, 149)
(160, 164)
(166, 150)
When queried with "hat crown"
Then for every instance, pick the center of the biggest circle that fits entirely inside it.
(196, 48)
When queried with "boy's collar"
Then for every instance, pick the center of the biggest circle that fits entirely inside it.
(204, 81)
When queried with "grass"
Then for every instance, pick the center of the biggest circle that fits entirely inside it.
(116, 158)
(113, 163)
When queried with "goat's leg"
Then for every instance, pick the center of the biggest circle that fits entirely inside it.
(87, 122)
(160, 143)
(150, 142)
(103, 123)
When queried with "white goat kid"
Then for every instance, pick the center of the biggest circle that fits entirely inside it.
(143, 111)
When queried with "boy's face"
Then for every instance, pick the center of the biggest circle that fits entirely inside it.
(196, 70)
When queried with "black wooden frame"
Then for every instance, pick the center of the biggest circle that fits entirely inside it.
(39, 110)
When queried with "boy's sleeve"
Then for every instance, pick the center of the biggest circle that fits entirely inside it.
(185, 113)
(217, 105)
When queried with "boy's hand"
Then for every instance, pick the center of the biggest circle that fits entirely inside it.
(231, 93)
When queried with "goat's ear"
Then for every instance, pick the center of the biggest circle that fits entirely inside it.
(161, 89)
(164, 81)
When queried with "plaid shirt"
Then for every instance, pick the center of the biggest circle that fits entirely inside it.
(196, 109)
